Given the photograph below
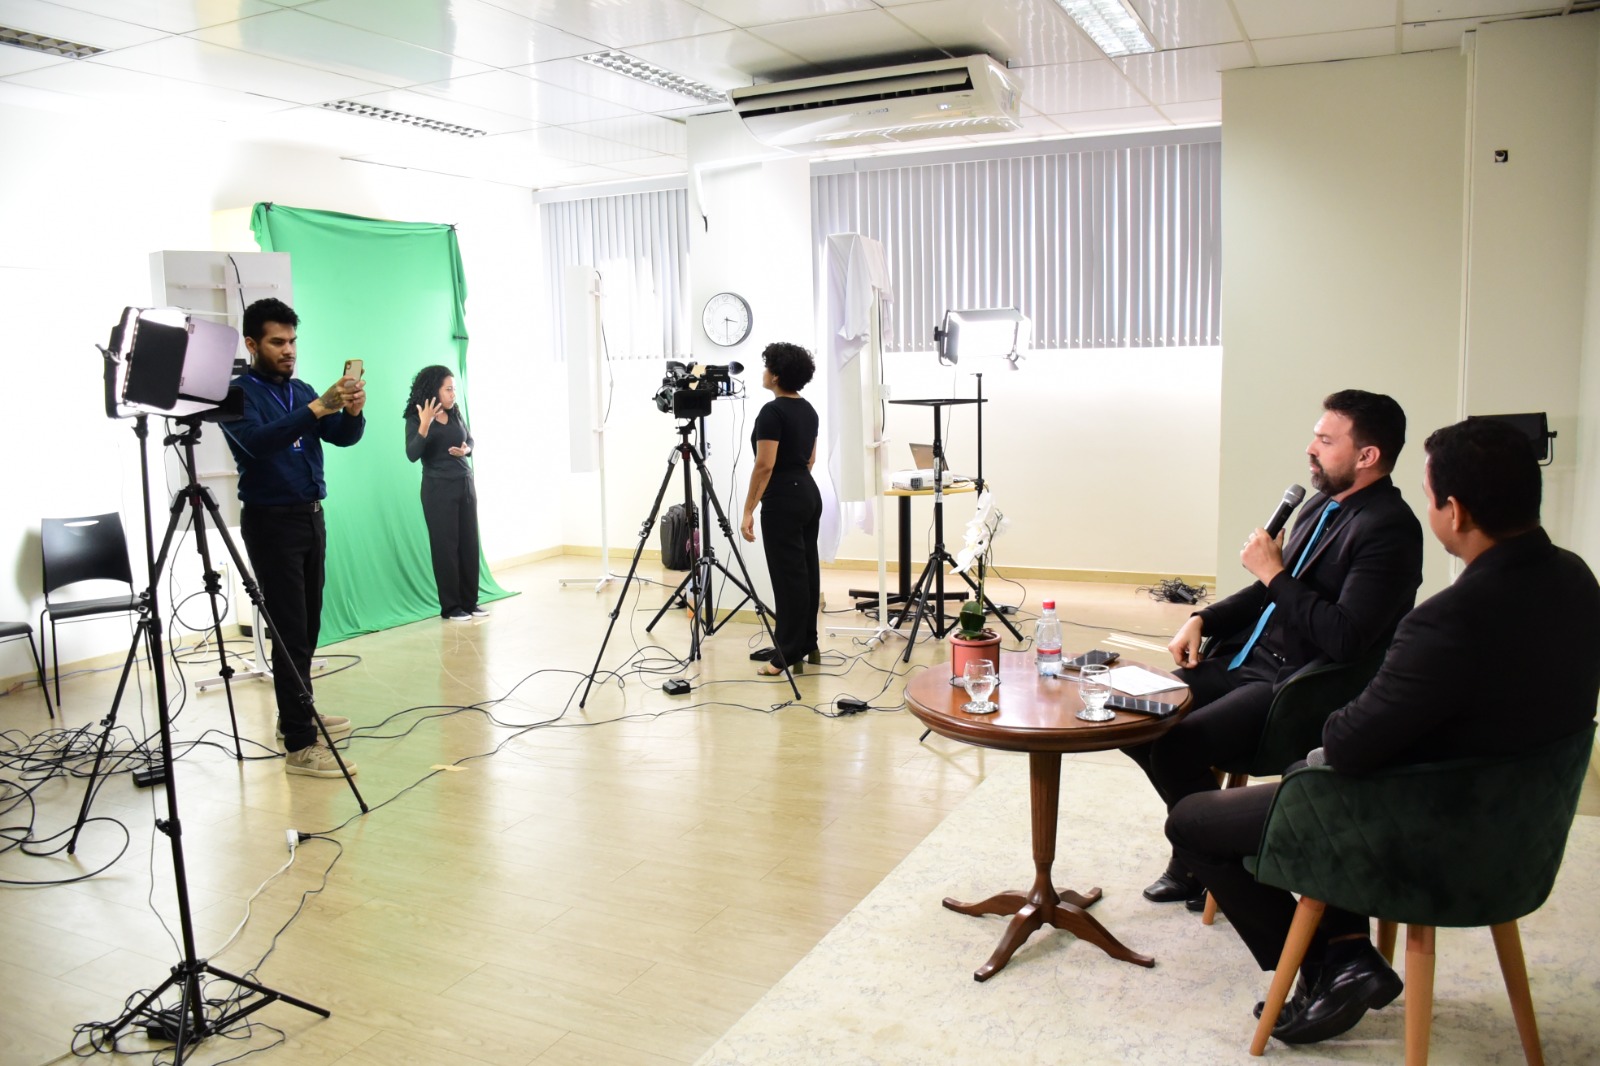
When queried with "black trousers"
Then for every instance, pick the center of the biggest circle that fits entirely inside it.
(1211, 834)
(450, 506)
(791, 514)
(1230, 709)
(288, 553)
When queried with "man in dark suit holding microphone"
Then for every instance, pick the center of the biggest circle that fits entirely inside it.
(1332, 593)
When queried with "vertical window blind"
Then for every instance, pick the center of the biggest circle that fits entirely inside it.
(639, 243)
(1114, 247)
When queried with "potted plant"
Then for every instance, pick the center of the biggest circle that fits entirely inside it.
(971, 639)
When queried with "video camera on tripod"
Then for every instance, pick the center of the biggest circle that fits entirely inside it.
(688, 391)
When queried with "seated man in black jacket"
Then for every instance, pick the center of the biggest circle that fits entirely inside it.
(1432, 700)
(1332, 593)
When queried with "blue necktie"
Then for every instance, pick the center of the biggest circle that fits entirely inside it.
(1305, 556)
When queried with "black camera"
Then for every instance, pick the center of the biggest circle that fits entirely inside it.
(688, 391)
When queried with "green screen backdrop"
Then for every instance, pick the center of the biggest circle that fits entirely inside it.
(393, 295)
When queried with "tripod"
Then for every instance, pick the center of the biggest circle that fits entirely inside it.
(199, 499)
(188, 1024)
(924, 603)
(698, 581)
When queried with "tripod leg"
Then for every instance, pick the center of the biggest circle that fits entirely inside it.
(107, 724)
(710, 492)
(674, 599)
(919, 603)
(633, 567)
(203, 504)
(987, 602)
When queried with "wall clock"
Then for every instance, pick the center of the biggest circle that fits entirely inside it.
(726, 319)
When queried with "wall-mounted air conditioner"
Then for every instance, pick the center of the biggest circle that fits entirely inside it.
(943, 98)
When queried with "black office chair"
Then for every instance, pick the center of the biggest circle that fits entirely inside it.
(91, 548)
(16, 631)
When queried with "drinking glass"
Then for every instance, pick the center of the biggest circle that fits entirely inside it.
(1095, 686)
(979, 679)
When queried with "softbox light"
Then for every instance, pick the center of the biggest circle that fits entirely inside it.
(164, 362)
(993, 331)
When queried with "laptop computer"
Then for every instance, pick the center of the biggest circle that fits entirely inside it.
(922, 475)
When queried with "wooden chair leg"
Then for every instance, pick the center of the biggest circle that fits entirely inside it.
(1386, 935)
(1211, 910)
(1419, 993)
(1307, 916)
(1508, 945)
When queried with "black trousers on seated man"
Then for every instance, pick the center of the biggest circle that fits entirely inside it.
(288, 547)
(1211, 834)
(1230, 710)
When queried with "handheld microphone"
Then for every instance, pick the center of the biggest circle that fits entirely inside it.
(1291, 499)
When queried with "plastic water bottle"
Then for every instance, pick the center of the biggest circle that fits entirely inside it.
(1047, 641)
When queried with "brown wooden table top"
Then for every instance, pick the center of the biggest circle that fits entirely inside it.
(1036, 713)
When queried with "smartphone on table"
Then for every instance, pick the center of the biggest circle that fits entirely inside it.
(1153, 708)
(1092, 658)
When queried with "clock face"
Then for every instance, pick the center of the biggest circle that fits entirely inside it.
(726, 319)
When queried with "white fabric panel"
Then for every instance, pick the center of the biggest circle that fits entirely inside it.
(1100, 248)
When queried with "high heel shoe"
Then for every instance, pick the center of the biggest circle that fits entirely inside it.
(770, 670)
(814, 656)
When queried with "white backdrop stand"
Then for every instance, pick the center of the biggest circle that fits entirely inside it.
(582, 293)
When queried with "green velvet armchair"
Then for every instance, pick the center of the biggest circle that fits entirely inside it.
(1427, 845)
(1294, 722)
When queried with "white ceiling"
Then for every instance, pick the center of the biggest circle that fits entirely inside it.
(258, 69)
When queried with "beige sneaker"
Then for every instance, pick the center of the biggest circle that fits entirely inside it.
(336, 724)
(315, 761)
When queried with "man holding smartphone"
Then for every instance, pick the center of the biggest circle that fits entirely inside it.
(277, 445)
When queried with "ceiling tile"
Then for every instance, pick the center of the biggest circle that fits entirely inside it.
(589, 80)
(472, 29)
(174, 100)
(762, 12)
(442, 110)
(1112, 121)
(561, 143)
(724, 60)
(1428, 36)
(338, 132)
(649, 132)
(300, 38)
(1024, 32)
(1194, 112)
(81, 27)
(843, 42)
(513, 94)
(1300, 18)
(1185, 74)
(1433, 10)
(187, 59)
(619, 23)
(17, 60)
(1326, 47)
(173, 16)
(1189, 23)
(654, 165)
(1067, 87)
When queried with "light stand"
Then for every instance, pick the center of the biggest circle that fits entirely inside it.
(188, 1024)
(698, 579)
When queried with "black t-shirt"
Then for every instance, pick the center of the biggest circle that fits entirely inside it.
(792, 422)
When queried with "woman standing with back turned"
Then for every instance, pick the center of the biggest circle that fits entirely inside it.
(785, 443)
(438, 437)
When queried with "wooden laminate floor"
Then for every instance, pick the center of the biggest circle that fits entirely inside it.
(534, 882)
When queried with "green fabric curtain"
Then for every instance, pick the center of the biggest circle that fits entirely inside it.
(393, 295)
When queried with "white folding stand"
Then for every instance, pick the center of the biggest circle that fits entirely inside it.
(582, 293)
(868, 413)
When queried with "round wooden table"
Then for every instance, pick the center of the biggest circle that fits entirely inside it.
(1037, 715)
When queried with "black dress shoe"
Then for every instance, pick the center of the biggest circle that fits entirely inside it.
(1196, 902)
(1345, 992)
(1169, 888)
(1292, 1006)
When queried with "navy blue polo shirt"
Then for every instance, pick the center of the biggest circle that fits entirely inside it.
(278, 442)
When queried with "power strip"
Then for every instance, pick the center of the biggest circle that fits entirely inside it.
(153, 775)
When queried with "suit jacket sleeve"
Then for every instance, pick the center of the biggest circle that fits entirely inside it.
(1384, 546)
(1234, 612)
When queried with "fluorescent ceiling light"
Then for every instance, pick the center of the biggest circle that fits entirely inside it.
(50, 46)
(637, 69)
(351, 107)
(1112, 24)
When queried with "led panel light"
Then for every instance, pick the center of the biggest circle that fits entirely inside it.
(637, 69)
(1112, 25)
(50, 46)
(351, 107)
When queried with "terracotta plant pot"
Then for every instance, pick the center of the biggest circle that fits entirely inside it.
(963, 651)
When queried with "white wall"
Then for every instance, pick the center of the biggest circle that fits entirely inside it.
(87, 200)
(1342, 234)
(1586, 445)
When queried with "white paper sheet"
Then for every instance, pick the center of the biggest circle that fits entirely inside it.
(1137, 681)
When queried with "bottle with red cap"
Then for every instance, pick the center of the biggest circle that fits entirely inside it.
(1047, 641)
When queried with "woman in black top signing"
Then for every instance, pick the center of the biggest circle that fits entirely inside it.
(438, 436)
(785, 443)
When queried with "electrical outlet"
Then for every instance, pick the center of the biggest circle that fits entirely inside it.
(293, 838)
